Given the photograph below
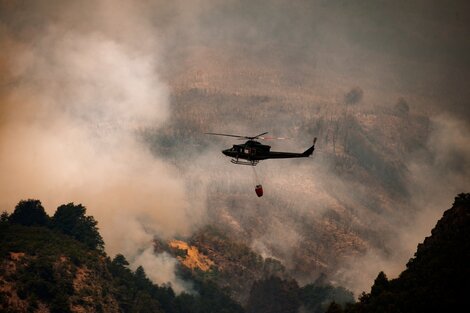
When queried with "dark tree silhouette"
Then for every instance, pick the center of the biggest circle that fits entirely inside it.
(436, 278)
(71, 220)
(141, 279)
(120, 260)
(29, 213)
(316, 297)
(334, 308)
(273, 295)
(381, 283)
(4, 217)
(402, 107)
(353, 96)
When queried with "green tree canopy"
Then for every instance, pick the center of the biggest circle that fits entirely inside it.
(274, 295)
(120, 260)
(381, 284)
(4, 217)
(142, 280)
(29, 213)
(318, 296)
(334, 308)
(71, 220)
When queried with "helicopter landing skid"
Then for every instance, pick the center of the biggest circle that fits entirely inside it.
(251, 163)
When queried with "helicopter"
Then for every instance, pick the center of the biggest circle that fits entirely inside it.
(252, 151)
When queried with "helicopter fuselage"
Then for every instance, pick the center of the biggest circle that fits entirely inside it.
(252, 151)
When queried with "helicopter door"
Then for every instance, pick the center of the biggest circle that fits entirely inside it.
(250, 151)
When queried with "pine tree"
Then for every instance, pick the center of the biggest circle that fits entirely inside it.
(29, 213)
(71, 220)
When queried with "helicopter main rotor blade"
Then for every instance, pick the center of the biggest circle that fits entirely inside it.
(227, 135)
(254, 137)
(273, 138)
(244, 137)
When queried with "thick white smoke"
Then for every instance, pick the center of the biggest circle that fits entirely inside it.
(68, 133)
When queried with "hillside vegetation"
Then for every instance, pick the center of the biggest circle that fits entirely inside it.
(46, 267)
(258, 284)
(435, 279)
(58, 265)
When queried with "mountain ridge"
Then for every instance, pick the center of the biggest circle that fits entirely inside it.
(45, 270)
(436, 277)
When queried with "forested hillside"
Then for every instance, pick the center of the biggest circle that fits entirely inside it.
(58, 264)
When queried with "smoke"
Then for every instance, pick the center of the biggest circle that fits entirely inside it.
(80, 83)
(284, 67)
(162, 268)
(437, 176)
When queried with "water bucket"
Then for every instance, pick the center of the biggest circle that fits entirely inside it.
(259, 190)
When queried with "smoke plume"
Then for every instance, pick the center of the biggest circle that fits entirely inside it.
(80, 82)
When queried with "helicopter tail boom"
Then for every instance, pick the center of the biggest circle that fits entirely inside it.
(310, 150)
(288, 155)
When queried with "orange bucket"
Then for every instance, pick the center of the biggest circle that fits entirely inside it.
(259, 190)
